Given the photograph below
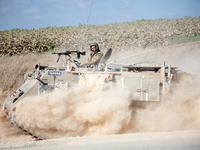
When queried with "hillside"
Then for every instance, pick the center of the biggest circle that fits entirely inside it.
(120, 36)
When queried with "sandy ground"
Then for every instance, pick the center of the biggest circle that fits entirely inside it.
(178, 140)
(187, 58)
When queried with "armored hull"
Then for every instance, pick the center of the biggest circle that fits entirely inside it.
(147, 81)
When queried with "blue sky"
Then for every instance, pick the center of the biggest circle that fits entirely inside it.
(29, 14)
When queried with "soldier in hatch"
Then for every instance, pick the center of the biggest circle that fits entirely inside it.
(95, 55)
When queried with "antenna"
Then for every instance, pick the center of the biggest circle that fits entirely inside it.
(90, 12)
(88, 20)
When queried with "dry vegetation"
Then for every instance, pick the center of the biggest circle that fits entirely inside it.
(138, 34)
(12, 70)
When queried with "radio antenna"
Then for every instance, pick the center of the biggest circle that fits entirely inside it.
(90, 12)
(88, 21)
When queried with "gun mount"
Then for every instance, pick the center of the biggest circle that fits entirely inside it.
(68, 53)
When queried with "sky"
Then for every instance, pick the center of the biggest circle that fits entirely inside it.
(34, 14)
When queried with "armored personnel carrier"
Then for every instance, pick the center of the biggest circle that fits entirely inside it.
(147, 81)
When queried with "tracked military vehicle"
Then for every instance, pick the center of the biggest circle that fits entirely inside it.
(146, 81)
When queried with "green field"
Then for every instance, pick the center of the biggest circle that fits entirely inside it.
(185, 39)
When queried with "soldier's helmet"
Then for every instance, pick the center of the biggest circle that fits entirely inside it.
(94, 44)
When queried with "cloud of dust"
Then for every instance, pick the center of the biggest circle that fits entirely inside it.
(83, 112)
(9, 133)
(6, 128)
(179, 112)
(77, 112)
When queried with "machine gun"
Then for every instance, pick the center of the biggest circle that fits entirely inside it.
(70, 52)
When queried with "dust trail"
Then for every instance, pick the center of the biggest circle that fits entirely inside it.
(179, 112)
(82, 111)
(6, 129)
(77, 112)
(9, 133)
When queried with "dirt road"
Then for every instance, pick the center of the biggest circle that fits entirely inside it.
(179, 140)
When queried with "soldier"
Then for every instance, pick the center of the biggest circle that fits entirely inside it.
(95, 55)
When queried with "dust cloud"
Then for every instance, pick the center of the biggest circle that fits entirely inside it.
(83, 112)
(77, 112)
(9, 133)
(180, 112)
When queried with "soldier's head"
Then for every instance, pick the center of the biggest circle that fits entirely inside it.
(94, 47)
